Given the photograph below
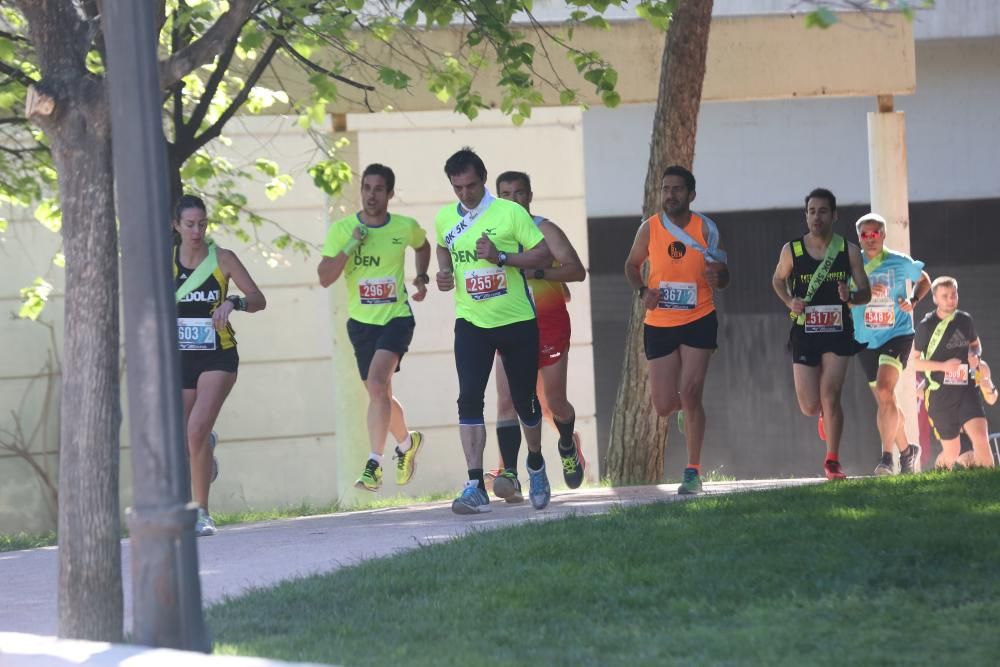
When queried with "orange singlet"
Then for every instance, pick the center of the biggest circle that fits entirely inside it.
(678, 272)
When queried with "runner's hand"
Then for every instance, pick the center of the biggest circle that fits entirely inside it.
(906, 305)
(843, 291)
(445, 280)
(421, 288)
(220, 318)
(951, 365)
(985, 374)
(797, 306)
(973, 360)
(651, 298)
(360, 232)
(486, 250)
(713, 273)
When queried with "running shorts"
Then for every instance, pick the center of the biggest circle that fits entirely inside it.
(663, 341)
(196, 362)
(949, 408)
(395, 336)
(895, 351)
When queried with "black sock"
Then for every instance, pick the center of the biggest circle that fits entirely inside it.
(535, 460)
(476, 474)
(566, 434)
(509, 439)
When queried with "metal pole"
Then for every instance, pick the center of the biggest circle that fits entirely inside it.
(887, 179)
(165, 586)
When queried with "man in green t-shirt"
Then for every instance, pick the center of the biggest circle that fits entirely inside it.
(369, 248)
(482, 245)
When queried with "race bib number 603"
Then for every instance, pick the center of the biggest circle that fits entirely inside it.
(195, 333)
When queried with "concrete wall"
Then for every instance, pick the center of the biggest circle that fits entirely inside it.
(759, 155)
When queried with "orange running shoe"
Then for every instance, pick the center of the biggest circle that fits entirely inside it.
(833, 471)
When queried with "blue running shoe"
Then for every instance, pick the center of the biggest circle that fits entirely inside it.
(538, 489)
(472, 500)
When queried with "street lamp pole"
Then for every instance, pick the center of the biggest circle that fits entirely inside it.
(165, 586)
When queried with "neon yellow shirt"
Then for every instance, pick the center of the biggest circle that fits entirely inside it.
(374, 272)
(487, 295)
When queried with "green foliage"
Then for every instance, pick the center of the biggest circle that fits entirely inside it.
(824, 16)
(33, 299)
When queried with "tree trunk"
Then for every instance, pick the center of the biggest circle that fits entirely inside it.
(90, 585)
(638, 436)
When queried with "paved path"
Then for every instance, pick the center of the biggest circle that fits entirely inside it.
(246, 556)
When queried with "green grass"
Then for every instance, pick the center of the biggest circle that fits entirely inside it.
(899, 570)
(27, 541)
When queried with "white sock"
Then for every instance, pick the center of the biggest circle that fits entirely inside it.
(404, 446)
(377, 458)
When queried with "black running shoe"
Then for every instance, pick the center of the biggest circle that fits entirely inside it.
(573, 466)
(908, 460)
(885, 465)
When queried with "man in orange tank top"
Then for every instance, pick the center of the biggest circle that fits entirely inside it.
(685, 266)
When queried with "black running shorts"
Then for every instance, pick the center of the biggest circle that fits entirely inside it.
(663, 341)
(808, 349)
(896, 352)
(395, 336)
(949, 408)
(196, 362)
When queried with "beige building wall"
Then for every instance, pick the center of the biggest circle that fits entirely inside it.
(293, 429)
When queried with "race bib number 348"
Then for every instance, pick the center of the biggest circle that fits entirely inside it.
(483, 284)
(374, 291)
(824, 319)
(195, 333)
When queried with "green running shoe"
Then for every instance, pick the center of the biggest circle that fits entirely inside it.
(691, 484)
(406, 462)
(371, 477)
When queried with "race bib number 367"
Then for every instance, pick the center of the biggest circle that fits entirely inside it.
(374, 291)
(824, 319)
(678, 296)
(483, 284)
(195, 333)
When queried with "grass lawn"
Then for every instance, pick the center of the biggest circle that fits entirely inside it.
(902, 570)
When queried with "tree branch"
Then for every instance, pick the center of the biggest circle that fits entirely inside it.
(16, 74)
(319, 68)
(190, 128)
(216, 129)
(205, 48)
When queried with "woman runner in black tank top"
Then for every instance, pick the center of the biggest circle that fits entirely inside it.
(208, 346)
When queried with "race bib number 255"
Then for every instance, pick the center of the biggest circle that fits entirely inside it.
(483, 284)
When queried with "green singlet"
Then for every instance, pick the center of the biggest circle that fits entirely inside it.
(488, 295)
(374, 271)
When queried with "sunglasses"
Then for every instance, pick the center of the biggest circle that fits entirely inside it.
(870, 235)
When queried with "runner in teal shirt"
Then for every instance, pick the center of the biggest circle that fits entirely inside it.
(885, 324)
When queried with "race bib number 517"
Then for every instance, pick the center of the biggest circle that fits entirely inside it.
(824, 319)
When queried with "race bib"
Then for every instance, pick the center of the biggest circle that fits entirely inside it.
(678, 296)
(195, 333)
(824, 319)
(959, 376)
(374, 291)
(880, 317)
(483, 284)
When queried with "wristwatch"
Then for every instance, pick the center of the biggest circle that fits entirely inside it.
(501, 258)
(423, 277)
(641, 290)
(239, 302)
(539, 274)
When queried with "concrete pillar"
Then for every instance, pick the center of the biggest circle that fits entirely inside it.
(890, 198)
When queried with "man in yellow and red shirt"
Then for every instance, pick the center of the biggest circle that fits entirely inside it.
(685, 265)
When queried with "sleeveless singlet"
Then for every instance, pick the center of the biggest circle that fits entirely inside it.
(821, 312)
(678, 272)
(202, 301)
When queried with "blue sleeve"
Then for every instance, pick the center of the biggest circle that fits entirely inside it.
(914, 269)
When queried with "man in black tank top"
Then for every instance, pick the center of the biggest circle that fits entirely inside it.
(812, 279)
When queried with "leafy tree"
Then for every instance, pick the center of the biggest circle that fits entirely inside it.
(56, 156)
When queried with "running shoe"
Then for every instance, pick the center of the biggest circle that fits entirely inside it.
(213, 440)
(833, 470)
(572, 466)
(371, 476)
(507, 487)
(204, 525)
(406, 462)
(884, 466)
(472, 500)
(489, 476)
(691, 483)
(909, 459)
(538, 488)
